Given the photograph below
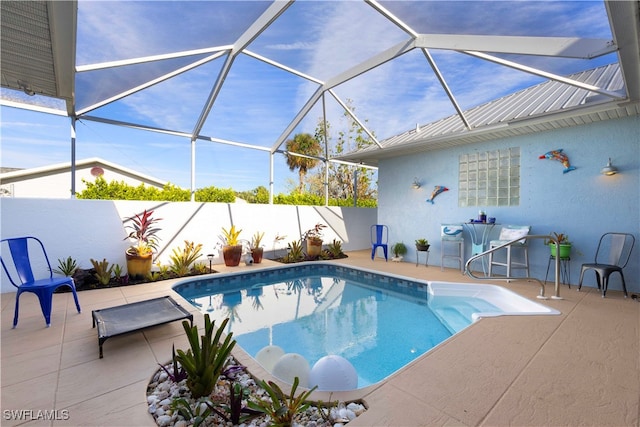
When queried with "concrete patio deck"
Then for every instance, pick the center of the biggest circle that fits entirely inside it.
(579, 368)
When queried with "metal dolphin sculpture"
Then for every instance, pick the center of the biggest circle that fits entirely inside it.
(436, 190)
(559, 156)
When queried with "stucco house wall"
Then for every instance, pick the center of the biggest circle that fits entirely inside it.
(582, 203)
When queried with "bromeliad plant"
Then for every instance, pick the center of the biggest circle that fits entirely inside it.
(66, 267)
(207, 358)
(143, 230)
(182, 259)
(282, 409)
(230, 237)
(103, 270)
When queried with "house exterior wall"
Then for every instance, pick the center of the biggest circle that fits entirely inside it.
(582, 203)
(85, 229)
(57, 183)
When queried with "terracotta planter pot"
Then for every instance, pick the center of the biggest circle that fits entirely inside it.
(138, 266)
(314, 247)
(232, 255)
(256, 254)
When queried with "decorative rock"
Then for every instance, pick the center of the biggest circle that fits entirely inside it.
(163, 421)
(292, 365)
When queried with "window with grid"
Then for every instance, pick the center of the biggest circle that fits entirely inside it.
(489, 178)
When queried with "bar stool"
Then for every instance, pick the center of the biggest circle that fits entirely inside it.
(507, 234)
(451, 235)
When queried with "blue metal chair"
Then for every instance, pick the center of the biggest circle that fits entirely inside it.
(380, 238)
(19, 266)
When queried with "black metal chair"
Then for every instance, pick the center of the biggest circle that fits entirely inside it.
(612, 255)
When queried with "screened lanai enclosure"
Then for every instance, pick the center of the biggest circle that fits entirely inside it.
(208, 92)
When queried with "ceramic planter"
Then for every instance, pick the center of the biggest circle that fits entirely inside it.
(565, 250)
(138, 266)
(314, 247)
(232, 255)
(422, 247)
(256, 254)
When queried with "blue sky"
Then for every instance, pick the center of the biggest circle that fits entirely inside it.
(257, 101)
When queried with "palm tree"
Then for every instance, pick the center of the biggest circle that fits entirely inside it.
(302, 143)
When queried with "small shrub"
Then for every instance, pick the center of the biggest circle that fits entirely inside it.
(295, 253)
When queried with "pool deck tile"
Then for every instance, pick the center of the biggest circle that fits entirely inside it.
(581, 367)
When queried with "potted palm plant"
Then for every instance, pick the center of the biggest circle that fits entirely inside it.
(140, 255)
(313, 236)
(231, 247)
(563, 241)
(256, 250)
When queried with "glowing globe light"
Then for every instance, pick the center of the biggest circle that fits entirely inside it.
(333, 373)
(268, 356)
(292, 365)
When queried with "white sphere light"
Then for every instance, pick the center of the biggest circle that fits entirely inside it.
(268, 356)
(333, 373)
(292, 365)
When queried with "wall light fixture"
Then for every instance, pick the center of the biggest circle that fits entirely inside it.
(609, 169)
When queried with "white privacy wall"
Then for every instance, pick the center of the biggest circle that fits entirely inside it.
(85, 229)
(582, 203)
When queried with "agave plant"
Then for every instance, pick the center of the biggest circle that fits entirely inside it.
(205, 361)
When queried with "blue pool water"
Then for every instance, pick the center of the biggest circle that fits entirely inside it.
(377, 322)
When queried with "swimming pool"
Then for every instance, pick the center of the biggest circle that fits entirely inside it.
(378, 322)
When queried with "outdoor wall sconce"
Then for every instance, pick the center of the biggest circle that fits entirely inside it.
(609, 169)
(416, 184)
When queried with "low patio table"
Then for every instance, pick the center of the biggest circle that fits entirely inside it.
(135, 316)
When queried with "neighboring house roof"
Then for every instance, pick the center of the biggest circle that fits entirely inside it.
(18, 174)
(549, 105)
(96, 166)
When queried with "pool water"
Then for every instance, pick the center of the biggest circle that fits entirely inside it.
(379, 323)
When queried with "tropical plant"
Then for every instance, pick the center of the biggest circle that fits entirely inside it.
(235, 412)
(182, 259)
(144, 232)
(230, 237)
(103, 271)
(422, 242)
(66, 267)
(399, 249)
(306, 144)
(197, 414)
(257, 239)
(314, 233)
(335, 248)
(281, 408)
(178, 373)
(207, 358)
(295, 253)
(561, 238)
